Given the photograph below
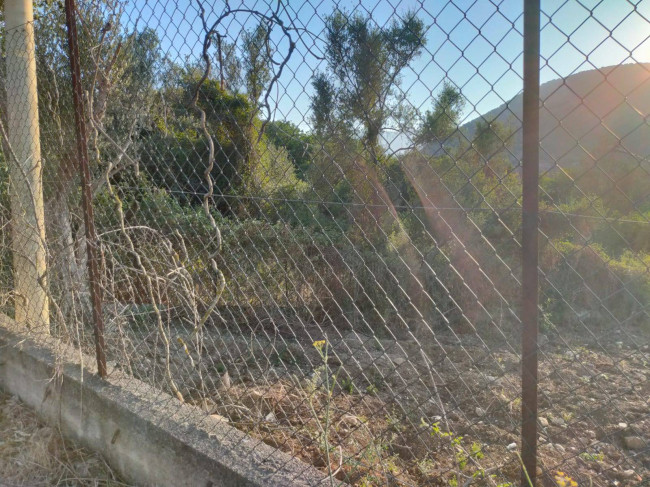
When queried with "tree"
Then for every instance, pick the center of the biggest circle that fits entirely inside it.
(257, 61)
(367, 61)
(490, 138)
(334, 150)
(441, 122)
(228, 63)
(174, 152)
(298, 144)
(322, 105)
(491, 142)
(174, 155)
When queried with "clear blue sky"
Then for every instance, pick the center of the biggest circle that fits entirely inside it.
(474, 44)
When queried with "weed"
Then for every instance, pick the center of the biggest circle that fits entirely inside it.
(348, 386)
(283, 356)
(372, 389)
(368, 481)
(394, 423)
(592, 457)
(426, 466)
(464, 458)
(322, 348)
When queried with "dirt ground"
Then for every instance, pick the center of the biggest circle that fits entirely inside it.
(442, 412)
(376, 411)
(33, 454)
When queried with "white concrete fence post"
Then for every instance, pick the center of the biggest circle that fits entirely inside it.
(25, 170)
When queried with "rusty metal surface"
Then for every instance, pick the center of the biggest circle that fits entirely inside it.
(86, 187)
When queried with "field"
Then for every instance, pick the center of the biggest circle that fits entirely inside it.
(413, 413)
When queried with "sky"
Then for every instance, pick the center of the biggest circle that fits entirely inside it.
(475, 45)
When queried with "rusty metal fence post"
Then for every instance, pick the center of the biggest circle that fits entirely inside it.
(86, 189)
(530, 209)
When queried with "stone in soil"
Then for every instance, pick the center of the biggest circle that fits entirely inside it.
(349, 421)
(635, 443)
(628, 474)
(558, 421)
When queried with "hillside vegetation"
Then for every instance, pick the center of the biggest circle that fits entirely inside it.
(328, 222)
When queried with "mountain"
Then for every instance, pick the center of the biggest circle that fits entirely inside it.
(589, 115)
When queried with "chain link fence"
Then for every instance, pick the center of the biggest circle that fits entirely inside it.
(308, 224)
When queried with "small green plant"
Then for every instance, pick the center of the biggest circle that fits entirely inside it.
(394, 422)
(368, 481)
(516, 403)
(391, 464)
(322, 348)
(348, 386)
(426, 466)
(567, 416)
(283, 356)
(546, 323)
(476, 450)
(592, 457)
(372, 389)
(465, 458)
(372, 454)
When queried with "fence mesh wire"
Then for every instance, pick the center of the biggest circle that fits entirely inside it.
(309, 220)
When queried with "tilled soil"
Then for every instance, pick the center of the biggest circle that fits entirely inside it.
(445, 412)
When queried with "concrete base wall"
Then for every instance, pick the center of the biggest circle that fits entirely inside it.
(147, 436)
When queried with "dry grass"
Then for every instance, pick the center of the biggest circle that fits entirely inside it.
(33, 454)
